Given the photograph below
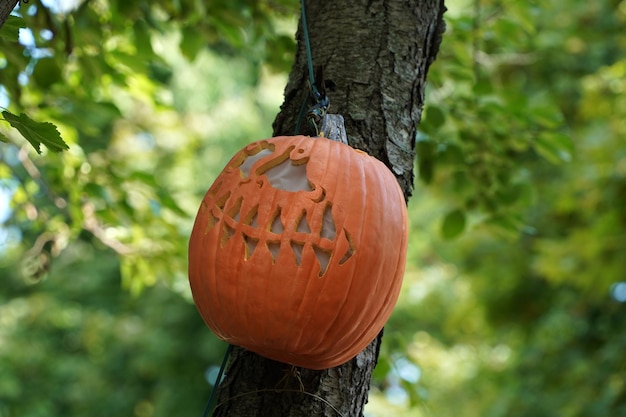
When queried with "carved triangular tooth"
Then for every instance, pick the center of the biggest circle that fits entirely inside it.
(233, 212)
(227, 233)
(350, 251)
(221, 201)
(302, 225)
(297, 248)
(276, 225)
(329, 230)
(251, 218)
(212, 220)
(251, 244)
(274, 248)
(323, 257)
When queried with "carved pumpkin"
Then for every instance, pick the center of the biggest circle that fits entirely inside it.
(298, 250)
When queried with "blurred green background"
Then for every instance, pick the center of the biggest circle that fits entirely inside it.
(514, 300)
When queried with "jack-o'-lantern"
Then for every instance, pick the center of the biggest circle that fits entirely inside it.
(298, 250)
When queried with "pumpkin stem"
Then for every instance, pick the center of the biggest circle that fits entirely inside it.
(332, 127)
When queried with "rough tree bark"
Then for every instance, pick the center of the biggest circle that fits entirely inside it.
(377, 53)
(6, 7)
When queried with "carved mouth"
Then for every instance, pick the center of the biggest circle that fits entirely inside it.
(260, 166)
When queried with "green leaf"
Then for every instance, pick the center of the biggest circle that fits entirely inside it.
(425, 151)
(435, 116)
(169, 202)
(159, 71)
(279, 52)
(36, 133)
(3, 138)
(451, 154)
(191, 44)
(11, 29)
(483, 88)
(509, 224)
(453, 224)
(141, 34)
(47, 72)
(556, 147)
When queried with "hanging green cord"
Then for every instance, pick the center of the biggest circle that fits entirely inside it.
(321, 101)
(209, 404)
(309, 60)
(307, 45)
(301, 116)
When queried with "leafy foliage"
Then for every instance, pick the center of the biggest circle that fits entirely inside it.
(87, 348)
(147, 128)
(37, 133)
(522, 131)
(10, 29)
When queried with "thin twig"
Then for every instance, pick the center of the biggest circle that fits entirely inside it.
(90, 222)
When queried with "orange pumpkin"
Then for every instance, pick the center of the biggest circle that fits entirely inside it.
(298, 250)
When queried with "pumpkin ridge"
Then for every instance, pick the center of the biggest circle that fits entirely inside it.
(331, 328)
(216, 296)
(377, 271)
(393, 293)
(323, 327)
(310, 309)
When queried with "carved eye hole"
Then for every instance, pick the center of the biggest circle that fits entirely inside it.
(281, 172)
(288, 177)
(247, 164)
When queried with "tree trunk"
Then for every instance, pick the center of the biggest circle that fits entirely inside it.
(377, 54)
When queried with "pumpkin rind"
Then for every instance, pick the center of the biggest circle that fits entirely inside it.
(312, 292)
